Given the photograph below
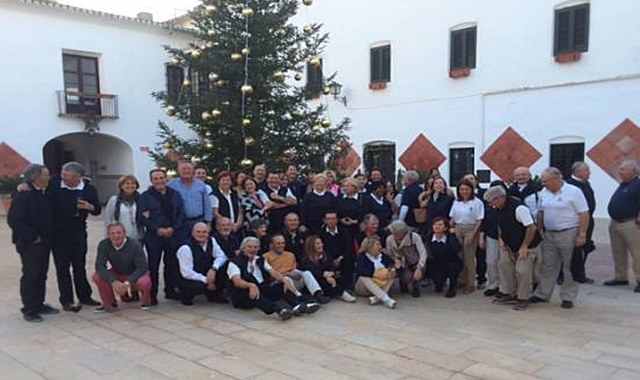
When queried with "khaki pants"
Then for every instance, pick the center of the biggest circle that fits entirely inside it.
(366, 287)
(557, 252)
(625, 237)
(492, 247)
(516, 275)
(469, 241)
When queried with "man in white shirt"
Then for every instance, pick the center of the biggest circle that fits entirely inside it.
(251, 284)
(564, 216)
(202, 263)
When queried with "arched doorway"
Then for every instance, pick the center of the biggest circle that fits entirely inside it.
(104, 157)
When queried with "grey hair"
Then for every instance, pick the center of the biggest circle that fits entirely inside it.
(248, 240)
(75, 167)
(412, 175)
(116, 224)
(398, 227)
(552, 171)
(32, 172)
(494, 192)
(632, 164)
(577, 166)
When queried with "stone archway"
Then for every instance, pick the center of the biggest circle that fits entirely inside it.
(104, 157)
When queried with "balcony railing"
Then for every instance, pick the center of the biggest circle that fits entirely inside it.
(82, 105)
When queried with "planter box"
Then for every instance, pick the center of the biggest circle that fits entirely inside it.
(459, 73)
(567, 58)
(377, 86)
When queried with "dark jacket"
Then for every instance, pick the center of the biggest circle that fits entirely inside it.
(67, 218)
(314, 208)
(163, 210)
(340, 244)
(364, 266)
(30, 218)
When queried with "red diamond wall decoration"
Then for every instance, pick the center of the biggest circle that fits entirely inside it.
(422, 155)
(11, 162)
(508, 152)
(623, 143)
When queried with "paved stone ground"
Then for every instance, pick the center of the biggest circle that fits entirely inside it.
(428, 338)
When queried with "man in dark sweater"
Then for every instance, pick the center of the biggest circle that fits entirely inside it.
(580, 178)
(316, 204)
(72, 200)
(121, 268)
(225, 237)
(410, 198)
(293, 236)
(32, 232)
(339, 246)
(283, 202)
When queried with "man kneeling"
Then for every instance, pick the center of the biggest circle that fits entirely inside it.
(128, 272)
(251, 284)
(202, 263)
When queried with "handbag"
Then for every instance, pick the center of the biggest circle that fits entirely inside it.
(410, 253)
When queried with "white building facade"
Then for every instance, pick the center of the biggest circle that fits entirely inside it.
(76, 85)
(562, 74)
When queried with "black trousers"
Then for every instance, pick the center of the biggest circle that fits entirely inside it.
(405, 275)
(579, 260)
(481, 266)
(268, 300)
(440, 272)
(162, 249)
(347, 271)
(70, 252)
(191, 288)
(35, 265)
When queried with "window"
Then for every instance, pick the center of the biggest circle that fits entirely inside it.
(381, 155)
(461, 162)
(175, 76)
(571, 30)
(81, 84)
(564, 155)
(463, 48)
(381, 64)
(315, 79)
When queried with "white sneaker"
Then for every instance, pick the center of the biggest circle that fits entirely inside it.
(390, 303)
(346, 297)
(373, 300)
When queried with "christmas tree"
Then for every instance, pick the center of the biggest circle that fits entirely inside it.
(242, 95)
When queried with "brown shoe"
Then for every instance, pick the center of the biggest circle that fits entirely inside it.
(521, 305)
(505, 300)
(469, 289)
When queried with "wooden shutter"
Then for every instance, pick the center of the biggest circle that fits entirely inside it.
(470, 48)
(385, 64)
(175, 76)
(375, 65)
(562, 31)
(581, 28)
(457, 50)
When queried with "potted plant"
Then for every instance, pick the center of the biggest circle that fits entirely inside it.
(8, 186)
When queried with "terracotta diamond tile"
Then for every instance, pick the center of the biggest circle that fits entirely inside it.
(508, 152)
(11, 162)
(622, 143)
(422, 155)
(348, 163)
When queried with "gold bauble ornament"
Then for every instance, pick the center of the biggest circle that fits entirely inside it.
(326, 123)
(247, 12)
(196, 53)
(236, 57)
(209, 145)
(249, 141)
(213, 77)
(226, 103)
(246, 163)
(308, 3)
(296, 113)
(216, 113)
(315, 61)
(171, 173)
(186, 83)
(308, 29)
(210, 10)
(246, 122)
(175, 61)
(278, 76)
(167, 145)
(211, 32)
(298, 77)
(170, 110)
(246, 89)
(245, 52)
(220, 83)
(207, 134)
(281, 32)
(326, 90)
(206, 116)
(316, 128)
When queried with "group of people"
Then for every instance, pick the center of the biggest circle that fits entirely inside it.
(272, 241)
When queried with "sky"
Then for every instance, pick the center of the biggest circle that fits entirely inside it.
(161, 9)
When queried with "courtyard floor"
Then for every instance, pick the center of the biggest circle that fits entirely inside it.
(427, 338)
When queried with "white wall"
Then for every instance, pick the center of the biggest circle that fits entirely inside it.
(131, 64)
(516, 81)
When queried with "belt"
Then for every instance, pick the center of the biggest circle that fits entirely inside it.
(563, 230)
(199, 217)
(623, 220)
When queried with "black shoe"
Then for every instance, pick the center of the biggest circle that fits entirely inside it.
(48, 310)
(299, 309)
(320, 298)
(584, 280)
(415, 292)
(536, 299)
(284, 314)
(72, 308)
(32, 317)
(451, 292)
(312, 307)
(90, 302)
(490, 292)
(521, 305)
(481, 285)
(615, 282)
(187, 302)
(172, 295)
(567, 304)
(404, 289)
(637, 288)
(218, 299)
(439, 289)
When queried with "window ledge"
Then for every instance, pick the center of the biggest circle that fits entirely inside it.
(568, 57)
(377, 86)
(459, 73)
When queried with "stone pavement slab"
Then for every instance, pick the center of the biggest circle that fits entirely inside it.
(465, 338)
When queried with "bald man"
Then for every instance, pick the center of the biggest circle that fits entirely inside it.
(525, 189)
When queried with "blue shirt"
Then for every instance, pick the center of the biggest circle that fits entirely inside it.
(625, 202)
(195, 197)
(410, 197)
